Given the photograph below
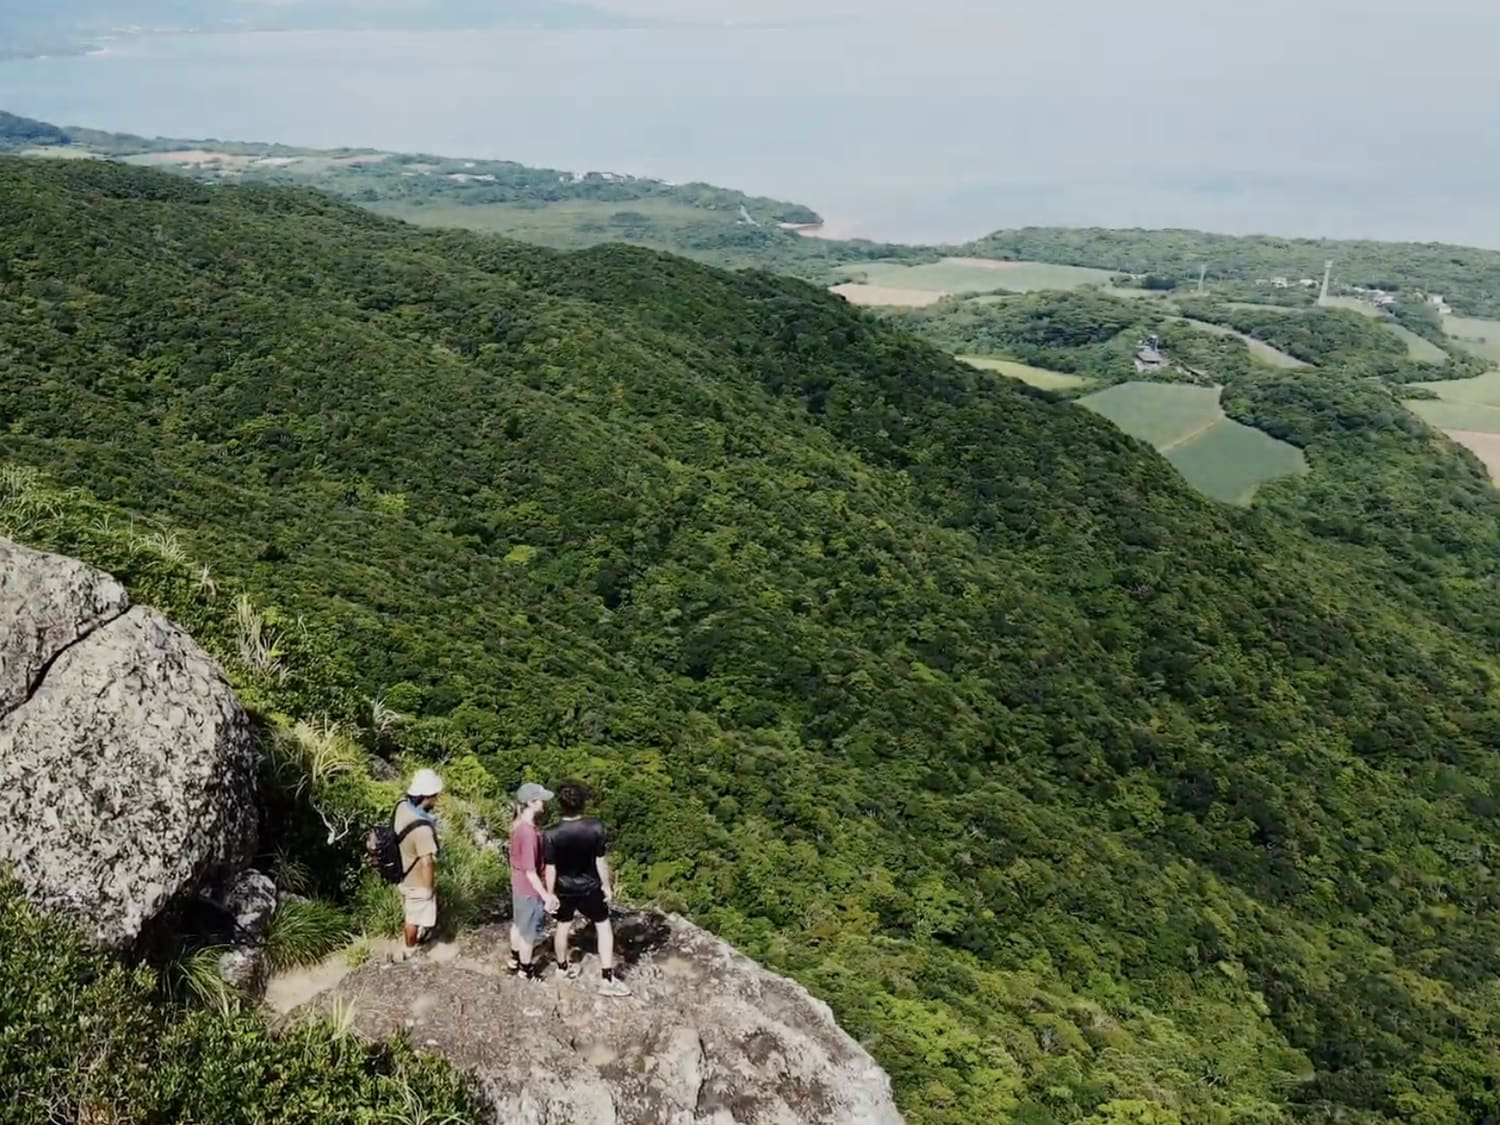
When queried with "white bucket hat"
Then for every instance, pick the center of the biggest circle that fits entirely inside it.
(424, 783)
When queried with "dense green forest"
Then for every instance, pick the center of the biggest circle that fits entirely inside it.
(546, 206)
(1079, 797)
(1468, 277)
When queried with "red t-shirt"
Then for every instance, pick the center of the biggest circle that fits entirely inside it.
(525, 855)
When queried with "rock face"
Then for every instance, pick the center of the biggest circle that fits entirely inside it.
(128, 762)
(708, 1038)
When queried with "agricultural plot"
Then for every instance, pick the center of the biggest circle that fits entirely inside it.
(1352, 304)
(1258, 348)
(1480, 337)
(974, 275)
(886, 296)
(1219, 457)
(1036, 376)
(1469, 405)
(1420, 349)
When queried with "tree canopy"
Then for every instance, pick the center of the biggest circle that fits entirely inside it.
(1080, 797)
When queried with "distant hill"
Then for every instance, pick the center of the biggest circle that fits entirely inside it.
(566, 209)
(1468, 277)
(1080, 797)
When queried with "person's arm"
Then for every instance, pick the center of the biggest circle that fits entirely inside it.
(424, 873)
(602, 866)
(542, 889)
(551, 878)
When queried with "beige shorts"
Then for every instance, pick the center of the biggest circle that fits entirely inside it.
(420, 904)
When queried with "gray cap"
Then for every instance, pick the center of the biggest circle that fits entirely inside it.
(531, 791)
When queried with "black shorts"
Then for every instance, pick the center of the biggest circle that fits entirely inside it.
(589, 903)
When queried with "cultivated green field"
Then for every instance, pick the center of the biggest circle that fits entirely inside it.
(1481, 337)
(1163, 414)
(1219, 457)
(568, 224)
(1036, 376)
(976, 275)
(1462, 404)
(1420, 349)
(1353, 304)
(1258, 348)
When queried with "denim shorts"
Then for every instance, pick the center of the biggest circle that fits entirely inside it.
(529, 915)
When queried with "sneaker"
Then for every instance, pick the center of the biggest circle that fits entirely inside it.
(513, 965)
(613, 986)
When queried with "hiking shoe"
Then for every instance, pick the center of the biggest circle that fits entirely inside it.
(613, 987)
(570, 971)
(513, 965)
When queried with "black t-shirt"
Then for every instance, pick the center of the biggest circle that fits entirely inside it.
(572, 847)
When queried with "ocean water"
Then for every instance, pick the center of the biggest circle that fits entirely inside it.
(1305, 117)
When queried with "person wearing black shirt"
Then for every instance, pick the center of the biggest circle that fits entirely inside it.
(577, 872)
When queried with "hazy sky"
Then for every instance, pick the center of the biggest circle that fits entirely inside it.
(902, 118)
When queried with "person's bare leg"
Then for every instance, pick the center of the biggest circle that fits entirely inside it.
(606, 934)
(412, 935)
(560, 944)
(520, 946)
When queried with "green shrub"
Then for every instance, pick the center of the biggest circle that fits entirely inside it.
(86, 1038)
(305, 930)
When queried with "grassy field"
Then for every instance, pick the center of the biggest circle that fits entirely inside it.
(1258, 348)
(1423, 351)
(1353, 304)
(976, 275)
(1036, 376)
(568, 225)
(1420, 349)
(1468, 411)
(1163, 414)
(1219, 457)
(1481, 337)
(1462, 404)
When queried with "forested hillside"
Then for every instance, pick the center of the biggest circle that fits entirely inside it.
(1469, 277)
(1079, 797)
(547, 206)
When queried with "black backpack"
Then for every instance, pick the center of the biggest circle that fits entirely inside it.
(383, 847)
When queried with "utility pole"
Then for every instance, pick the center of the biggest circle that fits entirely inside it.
(1327, 276)
(1202, 273)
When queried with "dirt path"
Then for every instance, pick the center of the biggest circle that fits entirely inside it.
(1484, 446)
(296, 987)
(1197, 431)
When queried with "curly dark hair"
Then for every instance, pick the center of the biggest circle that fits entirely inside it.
(573, 797)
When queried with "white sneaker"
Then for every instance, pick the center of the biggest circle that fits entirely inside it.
(613, 986)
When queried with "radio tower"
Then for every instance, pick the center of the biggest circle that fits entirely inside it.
(1327, 276)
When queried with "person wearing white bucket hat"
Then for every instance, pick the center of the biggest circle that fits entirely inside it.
(416, 827)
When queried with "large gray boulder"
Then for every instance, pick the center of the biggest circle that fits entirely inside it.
(128, 764)
(707, 1038)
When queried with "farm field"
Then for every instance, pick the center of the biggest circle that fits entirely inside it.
(1258, 348)
(1420, 349)
(886, 296)
(1423, 351)
(975, 275)
(566, 224)
(1218, 456)
(1481, 337)
(1485, 446)
(1353, 304)
(1471, 405)
(1036, 376)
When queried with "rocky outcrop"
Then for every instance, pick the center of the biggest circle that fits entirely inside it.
(127, 762)
(707, 1038)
